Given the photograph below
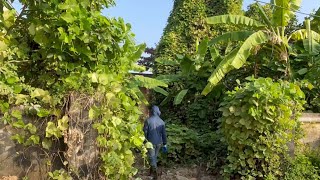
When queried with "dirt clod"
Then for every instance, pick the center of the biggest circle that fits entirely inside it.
(9, 178)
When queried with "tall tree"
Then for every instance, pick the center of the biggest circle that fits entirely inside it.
(186, 25)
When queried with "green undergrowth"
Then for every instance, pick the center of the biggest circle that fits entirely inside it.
(188, 146)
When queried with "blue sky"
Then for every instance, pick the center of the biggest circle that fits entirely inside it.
(149, 17)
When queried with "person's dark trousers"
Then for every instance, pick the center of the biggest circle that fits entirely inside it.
(153, 157)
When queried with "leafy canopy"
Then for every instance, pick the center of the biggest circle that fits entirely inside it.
(270, 34)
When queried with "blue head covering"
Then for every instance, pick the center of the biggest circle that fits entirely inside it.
(156, 111)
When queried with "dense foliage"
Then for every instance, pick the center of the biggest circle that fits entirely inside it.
(269, 33)
(193, 137)
(187, 145)
(54, 53)
(195, 111)
(275, 47)
(301, 167)
(54, 49)
(182, 143)
(259, 119)
(186, 27)
(307, 63)
(304, 165)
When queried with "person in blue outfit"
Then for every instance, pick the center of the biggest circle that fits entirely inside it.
(155, 132)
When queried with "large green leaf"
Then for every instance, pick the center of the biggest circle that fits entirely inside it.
(187, 66)
(149, 82)
(8, 17)
(202, 48)
(214, 53)
(284, 10)
(178, 99)
(234, 19)
(68, 17)
(160, 90)
(141, 48)
(303, 34)
(231, 36)
(254, 40)
(223, 68)
(309, 38)
(140, 95)
(311, 46)
(165, 101)
(138, 68)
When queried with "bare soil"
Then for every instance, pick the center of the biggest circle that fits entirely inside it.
(179, 173)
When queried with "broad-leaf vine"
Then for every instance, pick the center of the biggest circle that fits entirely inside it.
(259, 119)
(54, 48)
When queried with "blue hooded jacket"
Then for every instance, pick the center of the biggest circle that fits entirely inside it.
(154, 128)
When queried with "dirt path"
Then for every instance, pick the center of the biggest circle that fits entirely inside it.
(175, 173)
(180, 173)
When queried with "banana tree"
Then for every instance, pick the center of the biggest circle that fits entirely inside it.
(307, 63)
(269, 34)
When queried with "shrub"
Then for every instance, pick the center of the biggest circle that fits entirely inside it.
(301, 167)
(259, 119)
(202, 114)
(314, 94)
(313, 155)
(187, 145)
(213, 151)
(181, 143)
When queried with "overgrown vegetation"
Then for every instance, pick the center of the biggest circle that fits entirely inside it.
(259, 119)
(269, 34)
(301, 167)
(187, 25)
(185, 65)
(190, 146)
(55, 49)
(274, 47)
(62, 60)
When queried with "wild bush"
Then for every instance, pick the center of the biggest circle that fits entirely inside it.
(301, 167)
(259, 119)
(182, 143)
